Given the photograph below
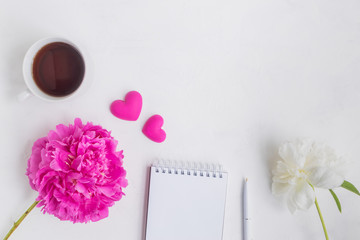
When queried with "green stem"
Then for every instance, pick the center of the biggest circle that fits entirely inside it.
(321, 218)
(17, 223)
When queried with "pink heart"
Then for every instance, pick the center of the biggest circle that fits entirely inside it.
(129, 109)
(152, 129)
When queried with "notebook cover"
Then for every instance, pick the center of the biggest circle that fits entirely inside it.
(185, 205)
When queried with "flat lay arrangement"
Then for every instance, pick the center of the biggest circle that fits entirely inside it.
(180, 120)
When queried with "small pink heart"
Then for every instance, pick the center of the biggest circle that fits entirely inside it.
(129, 109)
(152, 129)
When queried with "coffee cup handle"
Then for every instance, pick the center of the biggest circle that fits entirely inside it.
(24, 95)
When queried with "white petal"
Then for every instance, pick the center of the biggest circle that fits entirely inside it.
(282, 173)
(291, 206)
(325, 177)
(280, 188)
(301, 196)
(324, 168)
(288, 153)
(295, 153)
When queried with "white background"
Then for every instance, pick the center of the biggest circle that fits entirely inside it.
(233, 79)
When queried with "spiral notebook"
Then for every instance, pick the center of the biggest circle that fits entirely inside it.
(186, 203)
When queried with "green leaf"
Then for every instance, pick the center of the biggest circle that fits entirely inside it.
(349, 186)
(336, 199)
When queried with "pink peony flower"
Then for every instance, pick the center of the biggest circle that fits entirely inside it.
(77, 172)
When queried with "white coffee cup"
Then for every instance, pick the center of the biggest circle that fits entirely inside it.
(33, 89)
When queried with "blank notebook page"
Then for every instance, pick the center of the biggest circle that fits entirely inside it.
(185, 205)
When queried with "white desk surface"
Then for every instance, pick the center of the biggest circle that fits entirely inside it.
(232, 79)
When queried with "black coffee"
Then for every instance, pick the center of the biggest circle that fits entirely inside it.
(58, 69)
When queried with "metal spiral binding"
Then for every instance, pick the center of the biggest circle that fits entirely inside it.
(189, 168)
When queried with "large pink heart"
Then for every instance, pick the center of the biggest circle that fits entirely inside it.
(152, 129)
(129, 109)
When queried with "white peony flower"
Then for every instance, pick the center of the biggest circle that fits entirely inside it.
(304, 163)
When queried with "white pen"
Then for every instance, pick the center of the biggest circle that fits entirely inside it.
(247, 216)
